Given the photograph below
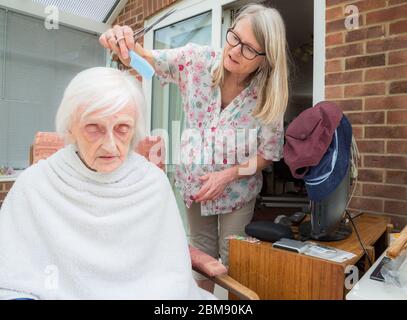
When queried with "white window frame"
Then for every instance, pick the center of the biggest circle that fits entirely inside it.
(318, 91)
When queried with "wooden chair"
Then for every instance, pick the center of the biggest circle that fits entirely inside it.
(46, 143)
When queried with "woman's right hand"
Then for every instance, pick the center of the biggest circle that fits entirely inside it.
(120, 40)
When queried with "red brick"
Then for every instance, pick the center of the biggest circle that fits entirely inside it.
(358, 132)
(136, 11)
(333, 66)
(396, 177)
(339, 25)
(386, 132)
(396, 147)
(366, 5)
(398, 87)
(398, 57)
(392, 102)
(343, 77)
(369, 175)
(397, 117)
(366, 117)
(345, 51)
(359, 90)
(386, 162)
(370, 146)
(398, 27)
(385, 191)
(349, 105)
(125, 16)
(388, 73)
(7, 186)
(396, 2)
(387, 44)
(3, 195)
(397, 207)
(366, 33)
(368, 204)
(385, 15)
(333, 92)
(334, 14)
(333, 39)
(331, 3)
(365, 61)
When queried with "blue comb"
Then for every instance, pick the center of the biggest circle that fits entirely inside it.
(141, 65)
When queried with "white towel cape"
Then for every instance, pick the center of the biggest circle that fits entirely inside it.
(67, 232)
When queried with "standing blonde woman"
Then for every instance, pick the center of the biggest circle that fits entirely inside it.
(242, 88)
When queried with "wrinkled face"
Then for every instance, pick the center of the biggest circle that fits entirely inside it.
(234, 62)
(104, 141)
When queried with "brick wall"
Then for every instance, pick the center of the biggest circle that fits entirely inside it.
(366, 74)
(136, 11)
(4, 188)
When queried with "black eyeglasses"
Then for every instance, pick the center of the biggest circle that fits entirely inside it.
(247, 51)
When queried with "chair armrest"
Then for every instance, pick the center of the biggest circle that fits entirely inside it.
(235, 287)
(205, 264)
(217, 272)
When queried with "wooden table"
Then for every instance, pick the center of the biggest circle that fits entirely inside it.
(279, 274)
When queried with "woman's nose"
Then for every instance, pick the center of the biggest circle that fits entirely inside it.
(109, 144)
(237, 50)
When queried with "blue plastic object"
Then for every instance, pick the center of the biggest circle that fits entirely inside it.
(141, 65)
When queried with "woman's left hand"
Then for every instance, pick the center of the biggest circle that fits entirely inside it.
(214, 183)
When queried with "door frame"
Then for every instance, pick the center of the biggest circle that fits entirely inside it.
(318, 92)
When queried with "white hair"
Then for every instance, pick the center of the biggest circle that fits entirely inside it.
(97, 89)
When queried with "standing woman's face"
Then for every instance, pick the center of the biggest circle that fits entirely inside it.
(234, 61)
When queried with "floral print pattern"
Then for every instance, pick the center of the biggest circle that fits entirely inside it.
(191, 67)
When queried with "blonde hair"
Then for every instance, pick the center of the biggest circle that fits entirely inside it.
(271, 78)
(101, 88)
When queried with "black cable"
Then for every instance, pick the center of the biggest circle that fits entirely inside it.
(358, 236)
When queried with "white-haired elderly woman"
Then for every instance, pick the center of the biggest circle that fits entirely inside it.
(95, 220)
(243, 86)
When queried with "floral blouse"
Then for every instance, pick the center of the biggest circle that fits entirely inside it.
(224, 135)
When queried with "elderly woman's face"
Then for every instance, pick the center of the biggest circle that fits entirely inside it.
(234, 61)
(104, 141)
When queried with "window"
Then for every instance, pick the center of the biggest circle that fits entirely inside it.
(36, 65)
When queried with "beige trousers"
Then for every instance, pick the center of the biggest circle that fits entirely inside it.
(208, 233)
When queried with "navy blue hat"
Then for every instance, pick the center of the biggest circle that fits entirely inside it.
(323, 178)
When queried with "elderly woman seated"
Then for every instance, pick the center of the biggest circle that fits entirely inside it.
(95, 220)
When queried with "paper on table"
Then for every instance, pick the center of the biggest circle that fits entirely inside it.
(328, 253)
